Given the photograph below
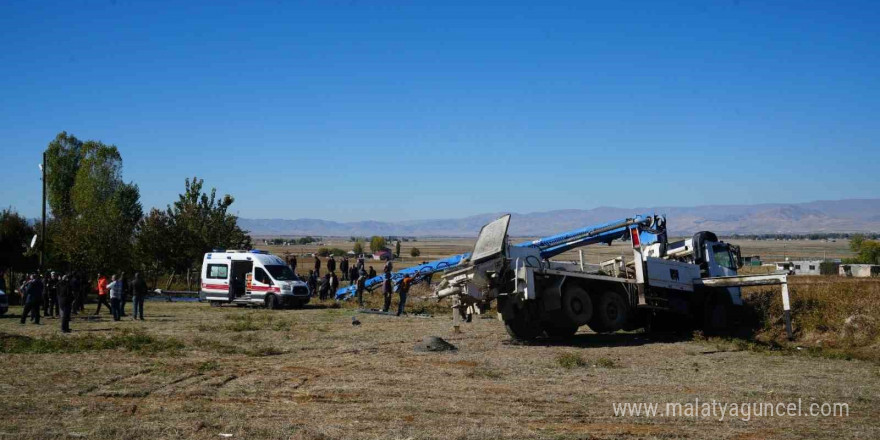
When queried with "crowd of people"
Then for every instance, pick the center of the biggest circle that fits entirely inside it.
(357, 275)
(56, 295)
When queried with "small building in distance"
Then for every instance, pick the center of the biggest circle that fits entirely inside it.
(751, 260)
(383, 254)
(859, 270)
(800, 267)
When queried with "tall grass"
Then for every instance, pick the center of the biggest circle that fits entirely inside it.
(828, 312)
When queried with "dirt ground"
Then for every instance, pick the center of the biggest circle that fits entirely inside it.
(194, 371)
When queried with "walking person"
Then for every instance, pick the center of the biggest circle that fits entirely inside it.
(65, 302)
(387, 291)
(115, 287)
(317, 265)
(403, 291)
(102, 294)
(343, 267)
(139, 293)
(48, 291)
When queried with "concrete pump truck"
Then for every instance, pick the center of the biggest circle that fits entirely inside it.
(695, 278)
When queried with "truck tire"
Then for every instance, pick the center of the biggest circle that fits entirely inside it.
(577, 305)
(717, 314)
(610, 313)
(560, 330)
(271, 302)
(523, 326)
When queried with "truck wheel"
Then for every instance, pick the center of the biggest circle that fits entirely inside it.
(522, 326)
(577, 306)
(716, 316)
(559, 330)
(610, 314)
(271, 302)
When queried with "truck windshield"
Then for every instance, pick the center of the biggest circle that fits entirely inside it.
(723, 256)
(281, 272)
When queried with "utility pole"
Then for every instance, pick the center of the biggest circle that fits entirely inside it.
(43, 227)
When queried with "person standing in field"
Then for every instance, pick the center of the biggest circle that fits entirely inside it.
(312, 282)
(139, 294)
(389, 267)
(102, 294)
(372, 273)
(331, 264)
(317, 265)
(48, 291)
(293, 263)
(343, 267)
(65, 302)
(403, 290)
(334, 283)
(352, 275)
(115, 287)
(325, 287)
(361, 284)
(387, 291)
(360, 263)
(32, 291)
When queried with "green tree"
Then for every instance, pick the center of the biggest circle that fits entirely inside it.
(323, 252)
(15, 237)
(63, 157)
(358, 247)
(377, 243)
(855, 242)
(195, 224)
(415, 252)
(95, 211)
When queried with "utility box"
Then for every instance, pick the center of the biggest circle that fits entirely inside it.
(672, 274)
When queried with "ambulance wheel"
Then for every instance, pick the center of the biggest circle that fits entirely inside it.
(271, 302)
(610, 312)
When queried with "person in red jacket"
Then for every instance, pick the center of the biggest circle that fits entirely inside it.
(102, 294)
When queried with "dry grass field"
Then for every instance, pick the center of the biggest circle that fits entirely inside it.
(194, 371)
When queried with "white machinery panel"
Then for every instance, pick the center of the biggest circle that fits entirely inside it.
(672, 274)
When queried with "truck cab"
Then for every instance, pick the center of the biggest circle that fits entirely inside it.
(250, 278)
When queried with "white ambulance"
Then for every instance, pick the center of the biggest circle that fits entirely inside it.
(250, 277)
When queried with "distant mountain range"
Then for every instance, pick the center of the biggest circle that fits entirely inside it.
(852, 215)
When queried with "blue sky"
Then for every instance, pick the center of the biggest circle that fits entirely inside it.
(393, 110)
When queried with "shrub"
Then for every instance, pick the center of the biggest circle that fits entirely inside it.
(415, 252)
(570, 360)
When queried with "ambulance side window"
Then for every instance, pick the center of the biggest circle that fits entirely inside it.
(218, 271)
(261, 277)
